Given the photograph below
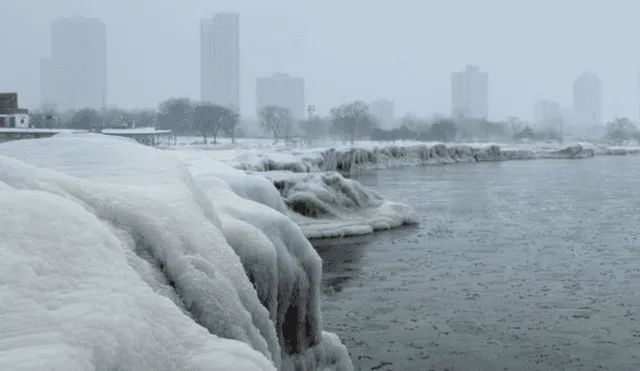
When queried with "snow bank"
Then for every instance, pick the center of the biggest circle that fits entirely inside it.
(119, 257)
(347, 160)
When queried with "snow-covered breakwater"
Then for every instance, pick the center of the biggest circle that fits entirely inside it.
(318, 197)
(346, 160)
(116, 257)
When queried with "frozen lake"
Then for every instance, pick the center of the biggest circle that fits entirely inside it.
(522, 265)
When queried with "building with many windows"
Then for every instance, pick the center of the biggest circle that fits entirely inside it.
(281, 90)
(587, 100)
(220, 60)
(547, 114)
(470, 94)
(384, 111)
(75, 75)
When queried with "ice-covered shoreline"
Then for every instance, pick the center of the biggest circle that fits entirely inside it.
(260, 155)
(347, 160)
(324, 203)
(117, 257)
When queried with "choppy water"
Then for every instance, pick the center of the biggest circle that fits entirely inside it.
(530, 265)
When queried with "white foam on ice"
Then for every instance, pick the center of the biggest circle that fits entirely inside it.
(116, 257)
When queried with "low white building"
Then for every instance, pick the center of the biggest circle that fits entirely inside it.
(14, 120)
(10, 115)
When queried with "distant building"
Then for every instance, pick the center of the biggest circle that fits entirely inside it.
(75, 75)
(587, 100)
(283, 91)
(10, 115)
(220, 60)
(384, 111)
(547, 114)
(470, 94)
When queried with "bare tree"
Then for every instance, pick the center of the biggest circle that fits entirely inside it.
(86, 119)
(276, 120)
(229, 120)
(353, 120)
(313, 128)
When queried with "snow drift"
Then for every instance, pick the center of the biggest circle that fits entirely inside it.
(115, 257)
(347, 160)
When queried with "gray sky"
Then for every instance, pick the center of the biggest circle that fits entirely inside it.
(350, 49)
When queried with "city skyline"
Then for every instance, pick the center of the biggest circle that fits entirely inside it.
(220, 75)
(156, 56)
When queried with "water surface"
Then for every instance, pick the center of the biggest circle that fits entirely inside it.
(523, 265)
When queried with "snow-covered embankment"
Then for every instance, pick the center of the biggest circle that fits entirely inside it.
(324, 203)
(346, 160)
(113, 256)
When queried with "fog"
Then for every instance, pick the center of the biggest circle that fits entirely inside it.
(402, 51)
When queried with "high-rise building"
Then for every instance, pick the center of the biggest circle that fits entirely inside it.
(220, 60)
(547, 114)
(587, 100)
(470, 94)
(384, 111)
(283, 91)
(75, 76)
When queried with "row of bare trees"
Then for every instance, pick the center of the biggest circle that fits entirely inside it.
(181, 115)
(350, 121)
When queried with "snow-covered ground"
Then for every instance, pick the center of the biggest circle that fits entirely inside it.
(115, 257)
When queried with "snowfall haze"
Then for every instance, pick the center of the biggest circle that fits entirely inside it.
(405, 51)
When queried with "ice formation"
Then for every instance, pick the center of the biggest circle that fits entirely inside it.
(346, 160)
(114, 256)
(329, 205)
(322, 204)
(326, 204)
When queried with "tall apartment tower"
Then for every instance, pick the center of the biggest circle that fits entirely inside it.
(587, 100)
(470, 94)
(75, 75)
(220, 60)
(384, 111)
(283, 91)
(547, 114)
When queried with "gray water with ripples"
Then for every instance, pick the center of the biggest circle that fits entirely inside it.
(523, 265)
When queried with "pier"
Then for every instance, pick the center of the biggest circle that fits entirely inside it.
(146, 135)
(7, 134)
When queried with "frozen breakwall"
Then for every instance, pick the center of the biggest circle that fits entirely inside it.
(347, 160)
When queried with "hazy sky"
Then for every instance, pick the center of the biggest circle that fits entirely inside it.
(351, 49)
